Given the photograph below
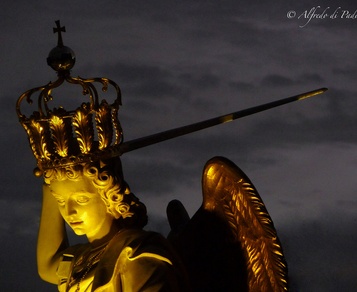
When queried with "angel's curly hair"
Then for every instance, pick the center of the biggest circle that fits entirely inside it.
(107, 178)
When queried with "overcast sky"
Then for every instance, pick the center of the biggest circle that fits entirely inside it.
(179, 62)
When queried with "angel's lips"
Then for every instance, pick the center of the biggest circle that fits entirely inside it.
(75, 223)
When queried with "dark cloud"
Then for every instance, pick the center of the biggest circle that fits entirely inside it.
(144, 80)
(307, 242)
(202, 81)
(350, 73)
(276, 80)
(241, 86)
(182, 63)
(310, 78)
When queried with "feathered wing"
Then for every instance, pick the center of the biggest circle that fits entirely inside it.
(230, 244)
(229, 193)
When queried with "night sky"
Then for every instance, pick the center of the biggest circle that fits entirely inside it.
(180, 62)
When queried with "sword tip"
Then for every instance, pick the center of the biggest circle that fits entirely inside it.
(312, 93)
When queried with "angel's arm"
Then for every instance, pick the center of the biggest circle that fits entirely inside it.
(52, 238)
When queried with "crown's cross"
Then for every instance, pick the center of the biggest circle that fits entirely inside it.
(58, 30)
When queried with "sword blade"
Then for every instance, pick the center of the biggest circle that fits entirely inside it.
(180, 131)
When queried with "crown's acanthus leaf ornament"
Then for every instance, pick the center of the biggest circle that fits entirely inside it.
(60, 130)
(83, 127)
(104, 125)
(119, 136)
(36, 131)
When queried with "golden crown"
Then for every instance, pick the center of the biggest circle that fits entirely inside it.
(60, 137)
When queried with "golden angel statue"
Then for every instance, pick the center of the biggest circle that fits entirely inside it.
(95, 201)
(230, 244)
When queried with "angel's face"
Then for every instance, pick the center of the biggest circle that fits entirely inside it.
(82, 207)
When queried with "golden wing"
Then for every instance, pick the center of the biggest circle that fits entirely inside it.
(229, 193)
(230, 244)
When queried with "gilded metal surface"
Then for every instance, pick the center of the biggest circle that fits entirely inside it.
(60, 137)
(229, 193)
(104, 125)
(173, 133)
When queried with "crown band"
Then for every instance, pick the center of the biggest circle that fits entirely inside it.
(59, 137)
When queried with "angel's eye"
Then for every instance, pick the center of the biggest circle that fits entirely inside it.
(61, 202)
(82, 199)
